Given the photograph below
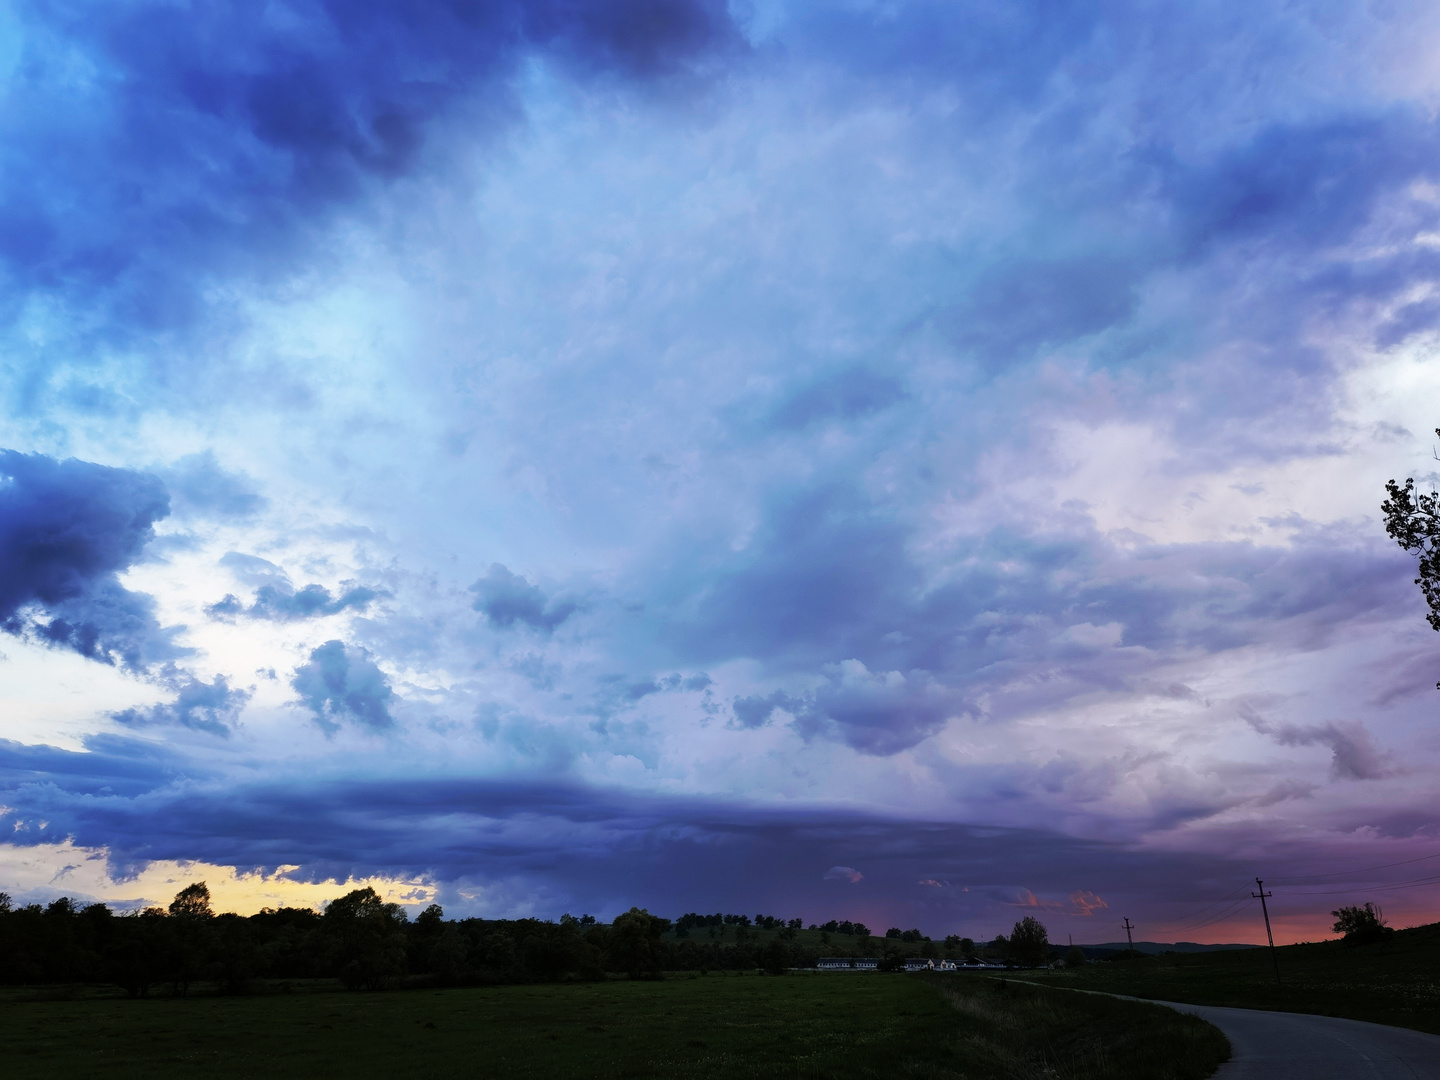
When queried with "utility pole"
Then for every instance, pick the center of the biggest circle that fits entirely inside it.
(1261, 895)
(1130, 926)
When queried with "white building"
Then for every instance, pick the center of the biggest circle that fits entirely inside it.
(848, 963)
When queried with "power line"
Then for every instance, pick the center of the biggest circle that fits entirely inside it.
(1210, 920)
(1220, 917)
(1362, 870)
(1200, 919)
(1199, 915)
(1414, 883)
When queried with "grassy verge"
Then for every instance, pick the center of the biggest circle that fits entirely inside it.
(1027, 1031)
(816, 1026)
(1396, 981)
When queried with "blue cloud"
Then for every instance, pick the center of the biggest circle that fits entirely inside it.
(755, 710)
(1018, 308)
(67, 529)
(209, 143)
(212, 707)
(198, 485)
(824, 565)
(1301, 185)
(505, 598)
(341, 683)
(845, 395)
(282, 603)
(829, 593)
(110, 766)
(277, 600)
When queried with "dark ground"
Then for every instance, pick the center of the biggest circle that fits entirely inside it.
(800, 1025)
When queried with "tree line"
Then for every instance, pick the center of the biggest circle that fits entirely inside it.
(368, 943)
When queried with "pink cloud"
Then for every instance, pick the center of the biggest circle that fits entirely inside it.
(1086, 902)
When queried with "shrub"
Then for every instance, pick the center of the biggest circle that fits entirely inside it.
(1360, 924)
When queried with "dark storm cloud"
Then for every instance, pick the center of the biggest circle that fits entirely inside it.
(212, 707)
(580, 845)
(341, 683)
(505, 598)
(1300, 185)
(208, 141)
(67, 529)
(110, 766)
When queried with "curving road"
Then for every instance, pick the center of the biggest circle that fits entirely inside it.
(1297, 1046)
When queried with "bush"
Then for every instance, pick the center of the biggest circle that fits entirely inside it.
(1360, 925)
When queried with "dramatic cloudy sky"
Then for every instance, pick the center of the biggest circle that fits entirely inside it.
(916, 462)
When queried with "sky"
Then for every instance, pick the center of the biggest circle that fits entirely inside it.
(912, 462)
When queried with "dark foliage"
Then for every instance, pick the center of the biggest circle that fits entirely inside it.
(1029, 942)
(855, 929)
(1360, 925)
(1412, 519)
(908, 936)
(366, 943)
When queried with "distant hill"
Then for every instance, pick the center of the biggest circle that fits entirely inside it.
(1155, 948)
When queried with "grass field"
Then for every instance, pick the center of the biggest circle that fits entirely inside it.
(1396, 981)
(841, 1026)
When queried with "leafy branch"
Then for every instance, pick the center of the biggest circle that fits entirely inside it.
(1412, 519)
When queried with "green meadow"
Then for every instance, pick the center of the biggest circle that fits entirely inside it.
(702, 1026)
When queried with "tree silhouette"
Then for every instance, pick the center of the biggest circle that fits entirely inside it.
(367, 938)
(634, 944)
(192, 902)
(1412, 520)
(188, 934)
(1029, 942)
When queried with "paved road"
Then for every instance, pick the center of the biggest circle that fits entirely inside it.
(1296, 1046)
